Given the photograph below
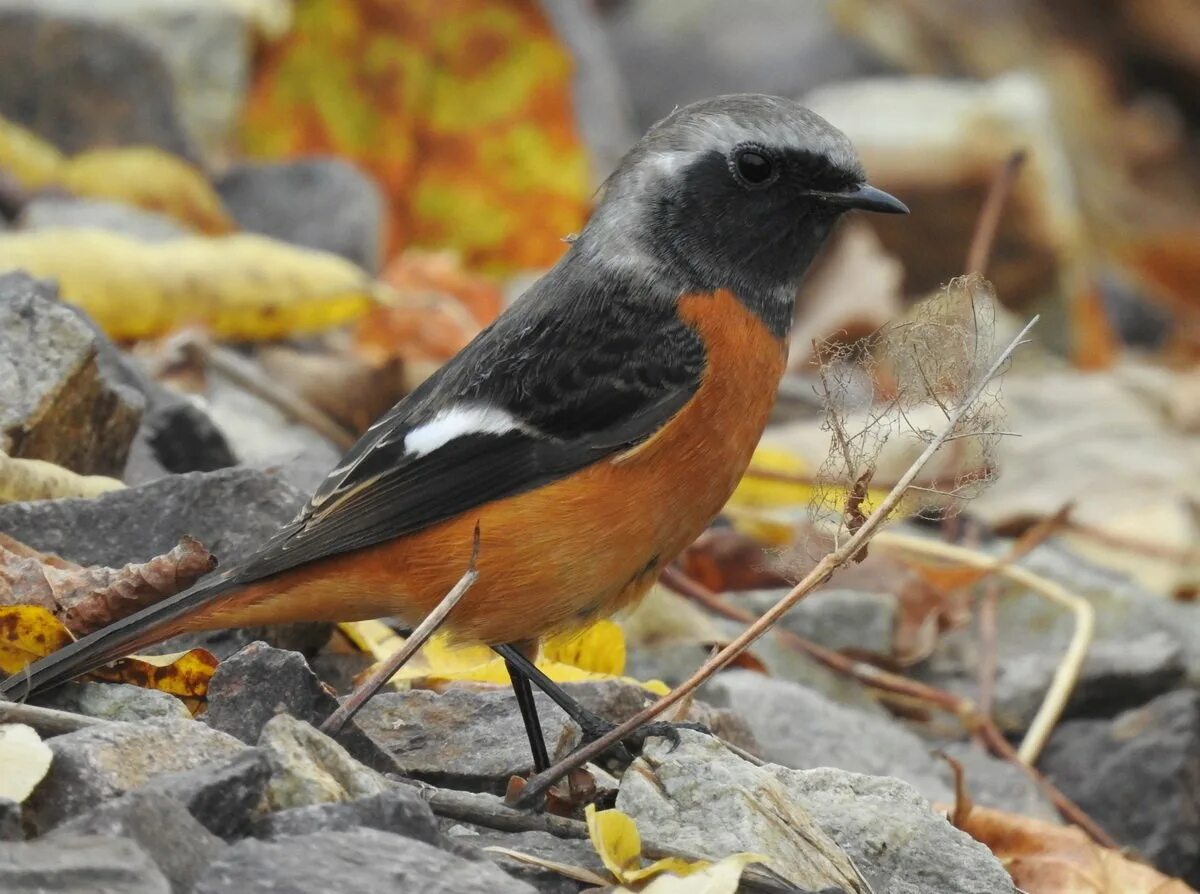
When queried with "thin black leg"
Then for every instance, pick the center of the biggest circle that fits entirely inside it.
(533, 727)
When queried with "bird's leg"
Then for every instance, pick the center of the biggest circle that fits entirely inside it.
(592, 725)
(533, 727)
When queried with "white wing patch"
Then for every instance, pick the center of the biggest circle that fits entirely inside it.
(454, 422)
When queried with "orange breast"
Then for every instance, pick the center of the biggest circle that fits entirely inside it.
(574, 549)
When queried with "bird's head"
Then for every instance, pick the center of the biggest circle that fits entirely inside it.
(735, 192)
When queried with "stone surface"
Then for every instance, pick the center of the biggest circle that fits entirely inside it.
(79, 865)
(362, 861)
(464, 739)
(56, 403)
(51, 212)
(10, 821)
(323, 203)
(205, 46)
(571, 851)
(1138, 776)
(160, 825)
(258, 682)
(802, 729)
(901, 845)
(81, 83)
(704, 800)
(308, 767)
(837, 619)
(113, 701)
(998, 783)
(107, 761)
(223, 796)
(398, 809)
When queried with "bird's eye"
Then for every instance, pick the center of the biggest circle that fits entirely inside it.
(753, 166)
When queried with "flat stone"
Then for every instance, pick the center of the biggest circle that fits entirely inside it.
(223, 796)
(802, 729)
(899, 842)
(360, 861)
(106, 761)
(162, 826)
(322, 203)
(1138, 776)
(50, 212)
(56, 403)
(258, 682)
(80, 83)
(837, 619)
(704, 800)
(308, 767)
(400, 809)
(464, 739)
(113, 701)
(997, 783)
(570, 851)
(79, 865)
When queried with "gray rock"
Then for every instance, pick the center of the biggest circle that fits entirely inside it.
(11, 828)
(999, 783)
(308, 767)
(837, 619)
(901, 845)
(56, 403)
(80, 83)
(1138, 776)
(571, 851)
(50, 212)
(224, 796)
(400, 809)
(704, 800)
(258, 682)
(107, 761)
(675, 53)
(206, 47)
(464, 739)
(362, 861)
(323, 203)
(113, 701)
(162, 826)
(802, 729)
(79, 865)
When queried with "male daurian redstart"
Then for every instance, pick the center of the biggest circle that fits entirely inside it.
(591, 432)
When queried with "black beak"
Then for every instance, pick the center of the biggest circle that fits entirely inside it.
(864, 197)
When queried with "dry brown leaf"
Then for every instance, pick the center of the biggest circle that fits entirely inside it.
(1044, 858)
(724, 559)
(36, 479)
(86, 599)
(442, 273)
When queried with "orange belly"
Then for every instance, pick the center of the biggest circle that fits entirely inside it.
(571, 550)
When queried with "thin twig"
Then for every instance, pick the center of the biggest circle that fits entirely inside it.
(387, 669)
(539, 783)
(869, 675)
(1067, 673)
(989, 645)
(245, 374)
(47, 721)
(988, 221)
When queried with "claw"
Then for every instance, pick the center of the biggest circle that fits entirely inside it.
(621, 751)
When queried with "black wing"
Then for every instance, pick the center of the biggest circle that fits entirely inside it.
(584, 371)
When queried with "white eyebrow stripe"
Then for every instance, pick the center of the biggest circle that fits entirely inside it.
(454, 422)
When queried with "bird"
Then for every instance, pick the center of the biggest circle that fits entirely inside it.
(590, 433)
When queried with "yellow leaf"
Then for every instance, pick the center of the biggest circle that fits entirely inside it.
(722, 877)
(25, 759)
(185, 674)
(615, 837)
(151, 179)
(28, 158)
(35, 479)
(767, 492)
(27, 633)
(242, 287)
(599, 647)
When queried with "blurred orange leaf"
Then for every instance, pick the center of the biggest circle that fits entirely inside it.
(461, 109)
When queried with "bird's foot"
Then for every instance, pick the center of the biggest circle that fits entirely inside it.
(595, 727)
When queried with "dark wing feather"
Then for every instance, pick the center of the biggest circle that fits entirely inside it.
(585, 378)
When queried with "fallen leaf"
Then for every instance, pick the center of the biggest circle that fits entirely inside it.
(88, 598)
(599, 648)
(30, 160)
(35, 479)
(724, 559)
(185, 674)
(460, 109)
(27, 633)
(1045, 858)
(25, 758)
(442, 273)
(722, 877)
(241, 287)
